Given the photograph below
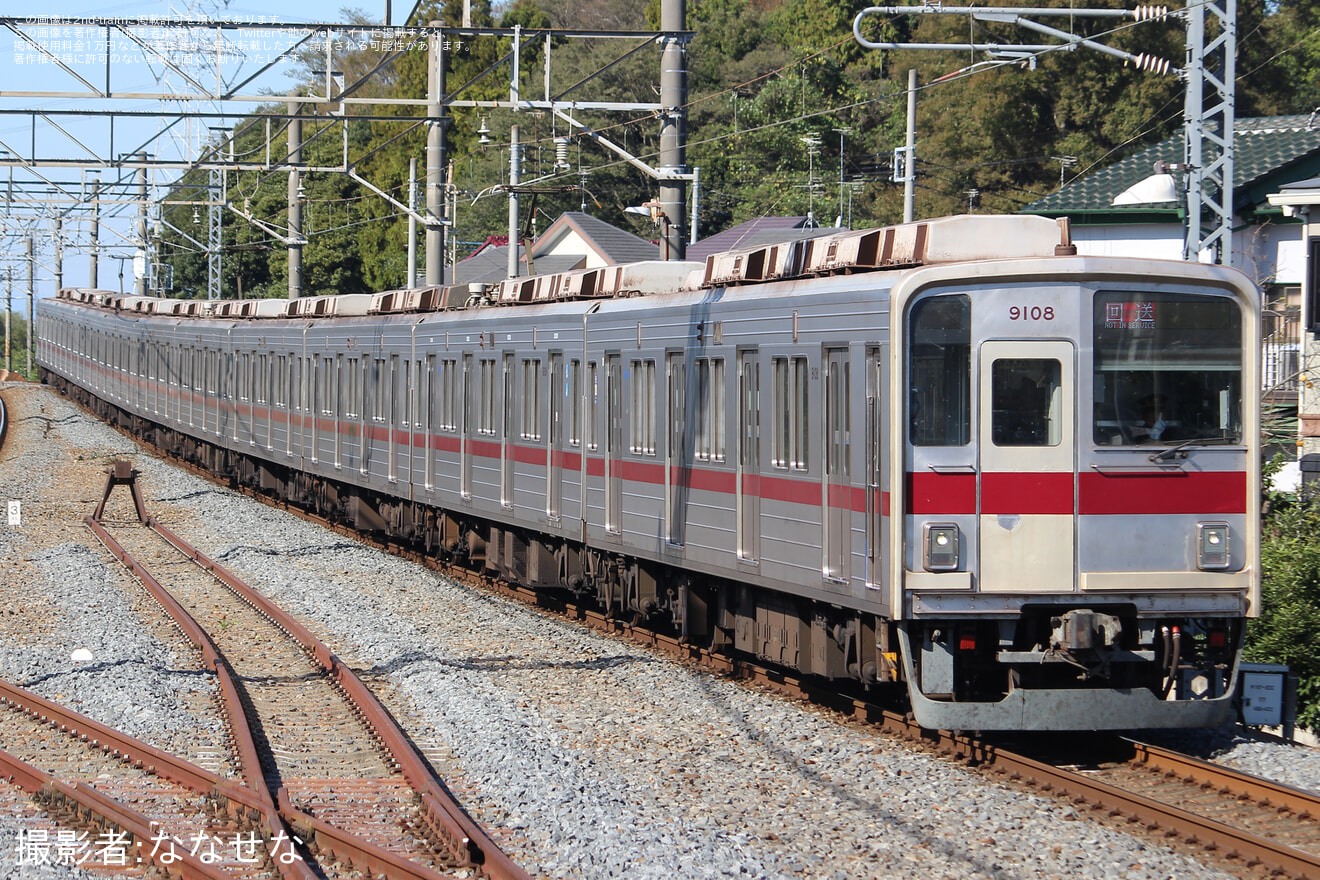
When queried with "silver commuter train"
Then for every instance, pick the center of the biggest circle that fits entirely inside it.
(1031, 496)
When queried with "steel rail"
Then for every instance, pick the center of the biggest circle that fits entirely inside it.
(92, 803)
(292, 867)
(1231, 841)
(342, 844)
(468, 842)
(1262, 791)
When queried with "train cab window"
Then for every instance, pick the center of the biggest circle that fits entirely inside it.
(1026, 402)
(940, 371)
(1168, 369)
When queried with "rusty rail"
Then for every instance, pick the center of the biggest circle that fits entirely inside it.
(291, 866)
(468, 842)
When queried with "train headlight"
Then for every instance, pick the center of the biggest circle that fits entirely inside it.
(942, 541)
(1212, 546)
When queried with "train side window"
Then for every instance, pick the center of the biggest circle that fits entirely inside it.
(1026, 400)
(940, 371)
(642, 440)
(790, 414)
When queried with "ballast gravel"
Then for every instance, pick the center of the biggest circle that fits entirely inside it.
(593, 758)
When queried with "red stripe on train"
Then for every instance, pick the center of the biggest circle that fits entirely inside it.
(1099, 494)
(1173, 491)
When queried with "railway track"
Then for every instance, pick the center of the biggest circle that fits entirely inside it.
(309, 736)
(130, 807)
(1277, 840)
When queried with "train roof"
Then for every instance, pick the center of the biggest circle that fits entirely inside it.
(962, 238)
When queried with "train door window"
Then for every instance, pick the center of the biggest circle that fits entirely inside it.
(642, 437)
(1026, 402)
(940, 372)
(575, 403)
(262, 381)
(378, 393)
(449, 398)
(790, 413)
(593, 405)
(710, 409)
(531, 399)
(486, 397)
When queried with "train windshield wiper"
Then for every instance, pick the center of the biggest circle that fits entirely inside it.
(1181, 449)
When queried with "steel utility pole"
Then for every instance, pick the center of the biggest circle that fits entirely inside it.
(96, 234)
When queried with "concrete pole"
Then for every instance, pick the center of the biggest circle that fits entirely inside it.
(9, 308)
(515, 171)
(31, 332)
(96, 234)
(910, 184)
(673, 131)
(435, 160)
(696, 200)
(412, 223)
(59, 252)
(140, 268)
(295, 205)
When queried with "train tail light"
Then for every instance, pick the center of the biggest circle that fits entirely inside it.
(1212, 546)
(1218, 638)
(942, 540)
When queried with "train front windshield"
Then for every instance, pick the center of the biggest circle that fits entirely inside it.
(1168, 369)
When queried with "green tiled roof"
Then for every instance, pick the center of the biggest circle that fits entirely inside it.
(1269, 152)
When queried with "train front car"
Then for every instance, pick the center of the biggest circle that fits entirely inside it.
(1079, 489)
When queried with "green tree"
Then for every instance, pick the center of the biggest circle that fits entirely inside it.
(1288, 630)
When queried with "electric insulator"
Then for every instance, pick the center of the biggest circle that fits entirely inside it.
(1148, 12)
(1142, 61)
(561, 153)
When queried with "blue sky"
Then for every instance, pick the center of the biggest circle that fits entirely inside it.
(24, 69)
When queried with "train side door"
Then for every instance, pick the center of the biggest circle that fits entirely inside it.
(837, 506)
(554, 458)
(749, 456)
(1028, 497)
(468, 416)
(877, 464)
(613, 444)
(508, 438)
(676, 472)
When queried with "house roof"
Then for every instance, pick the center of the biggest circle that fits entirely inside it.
(491, 264)
(1269, 151)
(611, 244)
(762, 230)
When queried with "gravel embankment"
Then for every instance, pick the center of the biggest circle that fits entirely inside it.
(596, 758)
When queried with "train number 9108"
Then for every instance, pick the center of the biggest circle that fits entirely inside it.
(1031, 313)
